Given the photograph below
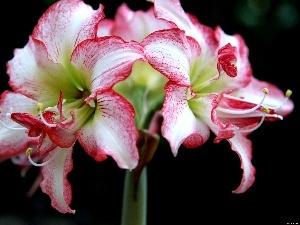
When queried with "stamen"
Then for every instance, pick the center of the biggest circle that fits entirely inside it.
(8, 115)
(265, 90)
(28, 152)
(288, 94)
(265, 111)
(40, 107)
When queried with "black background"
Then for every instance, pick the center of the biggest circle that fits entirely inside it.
(195, 187)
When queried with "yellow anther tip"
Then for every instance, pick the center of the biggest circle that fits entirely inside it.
(40, 106)
(0, 110)
(265, 109)
(288, 93)
(266, 90)
(28, 151)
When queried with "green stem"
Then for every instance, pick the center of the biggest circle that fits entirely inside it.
(134, 208)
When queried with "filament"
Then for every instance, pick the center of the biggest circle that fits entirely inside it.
(28, 152)
(265, 90)
(265, 111)
(288, 94)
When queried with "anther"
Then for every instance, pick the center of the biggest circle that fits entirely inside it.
(40, 106)
(265, 109)
(28, 151)
(288, 93)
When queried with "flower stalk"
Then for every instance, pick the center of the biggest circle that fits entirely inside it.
(134, 207)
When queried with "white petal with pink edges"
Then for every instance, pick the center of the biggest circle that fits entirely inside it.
(13, 142)
(171, 53)
(243, 147)
(68, 23)
(55, 183)
(111, 131)
(179, 121)
(105, 61)
(132, 25)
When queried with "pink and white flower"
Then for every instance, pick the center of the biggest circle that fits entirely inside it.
(212, 89)
(62, 84)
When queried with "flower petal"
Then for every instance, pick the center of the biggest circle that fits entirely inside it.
(34, 75)
(171, 52)
(65, 24)
(243, 147)
(179, 124)
(131, 25)
(111, 131)
(13, 142)
(227, 60)
(55, 183)
(104, 61)
(172, 11)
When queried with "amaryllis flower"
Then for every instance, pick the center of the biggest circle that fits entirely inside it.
(212, 89)
(144, 88)
(62, 92)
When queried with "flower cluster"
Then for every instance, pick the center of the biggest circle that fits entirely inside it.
(107, 82)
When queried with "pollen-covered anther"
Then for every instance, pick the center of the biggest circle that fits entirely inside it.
(265, 109)
(28, 151)
(40, 107)
(288, 93)
(266, 90)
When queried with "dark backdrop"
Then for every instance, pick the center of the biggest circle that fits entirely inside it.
(195, 187)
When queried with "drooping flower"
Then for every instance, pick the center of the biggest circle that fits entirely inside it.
(62, 91)
(212, 91)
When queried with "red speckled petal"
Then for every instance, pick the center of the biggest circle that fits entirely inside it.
(55, 183)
